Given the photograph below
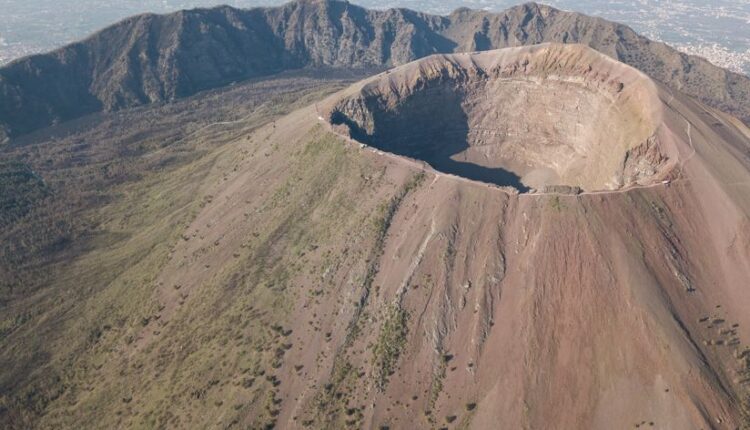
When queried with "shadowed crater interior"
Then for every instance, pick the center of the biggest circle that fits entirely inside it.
(510, 119)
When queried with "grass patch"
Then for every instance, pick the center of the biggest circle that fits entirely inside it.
(436, 387)
(86, 243)
(390, 344)
(20, 189)
(388, 210)
(556, 204)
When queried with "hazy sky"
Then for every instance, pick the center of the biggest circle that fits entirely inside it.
(719, 28)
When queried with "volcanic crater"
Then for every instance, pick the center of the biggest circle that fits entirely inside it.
(537, 118)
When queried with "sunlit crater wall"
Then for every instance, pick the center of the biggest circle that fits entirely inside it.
(526, 118)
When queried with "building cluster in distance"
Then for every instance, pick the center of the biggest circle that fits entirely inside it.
(721, 56)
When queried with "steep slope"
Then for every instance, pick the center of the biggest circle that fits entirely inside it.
(288, 276)
(155, 58)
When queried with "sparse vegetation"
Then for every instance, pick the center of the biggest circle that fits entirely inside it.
(390, 344)
(117, 209)
(165, 269)
(436, 387)
(386, 211)
(331, 402)
(20, 190)
(556, 203)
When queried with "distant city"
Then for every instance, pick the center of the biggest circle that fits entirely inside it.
(718, 30)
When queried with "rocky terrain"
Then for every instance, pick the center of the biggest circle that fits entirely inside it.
(223, 219)
(562, 241)
(525, 118)
(157, 58)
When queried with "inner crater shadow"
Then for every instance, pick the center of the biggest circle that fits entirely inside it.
(430, 126)
(475, 172)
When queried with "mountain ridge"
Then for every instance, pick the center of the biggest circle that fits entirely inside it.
(161, 58)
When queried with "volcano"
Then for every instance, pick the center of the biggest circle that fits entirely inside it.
(598, 281)
(533, 237)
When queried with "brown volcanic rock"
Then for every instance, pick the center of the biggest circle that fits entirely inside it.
(531, 117)
(155, 58)
(478, 307)
(611, 309)
(301, 281)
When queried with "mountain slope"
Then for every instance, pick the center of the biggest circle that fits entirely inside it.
(279, 273)
(156, 58)
(114, 192)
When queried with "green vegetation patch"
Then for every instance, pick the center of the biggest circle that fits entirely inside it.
(388, 209)
(556, 204)
(390, 344)
(20, 188)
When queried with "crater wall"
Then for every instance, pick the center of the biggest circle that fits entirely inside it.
(532, 117)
